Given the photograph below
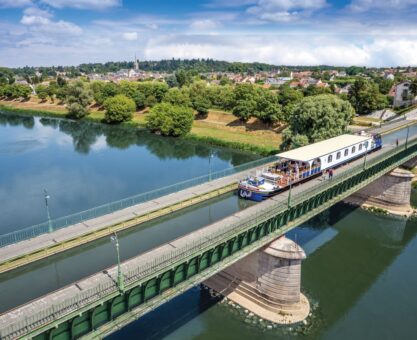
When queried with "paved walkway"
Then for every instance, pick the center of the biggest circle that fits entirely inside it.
(29, 246)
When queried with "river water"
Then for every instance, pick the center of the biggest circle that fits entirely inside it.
(359, 273)
(83, 165)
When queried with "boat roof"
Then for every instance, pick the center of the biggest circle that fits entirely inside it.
(323, 148)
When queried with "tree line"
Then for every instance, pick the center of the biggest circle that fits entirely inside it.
(311, 114)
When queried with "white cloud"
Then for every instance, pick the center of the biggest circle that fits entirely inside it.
(364, 5)
(40, 21)
(287, 50)
(284, 10)
(130, 36)
(36, 11)
(204, 24)
(83, 4)
(14, 3)
(34, 20)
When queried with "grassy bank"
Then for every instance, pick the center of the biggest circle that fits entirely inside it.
(264, 142)
(94, 116)
(264, 151)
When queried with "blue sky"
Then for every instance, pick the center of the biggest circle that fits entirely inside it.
(291, 32)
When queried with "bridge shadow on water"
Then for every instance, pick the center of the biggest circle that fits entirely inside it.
(169, 317)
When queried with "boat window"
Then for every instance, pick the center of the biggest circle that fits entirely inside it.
(346, 152)
(338, 155)
(330, 158)
(360, 147)
(353, 149)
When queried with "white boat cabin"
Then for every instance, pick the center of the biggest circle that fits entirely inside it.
(294, 165)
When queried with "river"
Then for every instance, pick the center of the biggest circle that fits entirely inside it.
(83, 165)
(359, 273)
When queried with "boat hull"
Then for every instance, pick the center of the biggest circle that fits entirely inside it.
(255, 195)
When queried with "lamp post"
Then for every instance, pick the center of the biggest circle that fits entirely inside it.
(210, 157)
(120, 282)
(47, 197)
(406, 139)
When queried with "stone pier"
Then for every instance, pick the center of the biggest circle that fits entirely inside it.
(391, 192)
(267, 283)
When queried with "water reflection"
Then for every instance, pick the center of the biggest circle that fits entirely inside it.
(85, 164)
(26, 121)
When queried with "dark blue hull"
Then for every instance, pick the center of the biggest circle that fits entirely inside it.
(255, 196)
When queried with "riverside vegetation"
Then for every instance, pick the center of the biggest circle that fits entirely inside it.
(180, 105)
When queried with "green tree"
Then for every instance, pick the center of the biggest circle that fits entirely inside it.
(79, 97)
(222, 97)
(6, 76)
(19, 91)
(109, 90)
(317, 118)
(153, 88)
(179, 97)
(413, 87)
(183, 77)
(151, 101)
(172, 81)
(313, 90)
(384, 85)
(365, 97)
(268, 108)
(61, 93)
(245, 109)
(287, 95)
(201, 104)
(170, 120)
(130, 89)
(61, 81)
(119, 109)
(52, 90)
(42, 92)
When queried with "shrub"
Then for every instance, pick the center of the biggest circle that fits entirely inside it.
(119, 109)
(170, 120)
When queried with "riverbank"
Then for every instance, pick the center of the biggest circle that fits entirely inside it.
(217, 129)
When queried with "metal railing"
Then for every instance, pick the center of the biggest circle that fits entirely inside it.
(62, 222)
(168, 260)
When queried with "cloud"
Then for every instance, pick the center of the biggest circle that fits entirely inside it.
(39, 20)
(287, 50)
(34, 20)
(14, 3)
(83, 4)
(386, 5)
(204, 24)
(36, 11)
(284, 10)
(130, 36)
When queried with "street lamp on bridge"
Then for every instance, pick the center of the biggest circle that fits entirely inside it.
(210, 157)
(47, 197)
(120, 282)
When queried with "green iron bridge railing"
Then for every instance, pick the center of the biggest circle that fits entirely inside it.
(66, 221)
(164, 277)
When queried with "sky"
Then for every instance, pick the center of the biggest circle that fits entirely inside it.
(373, 33)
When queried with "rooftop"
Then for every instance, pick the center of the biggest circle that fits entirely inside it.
(319, 149)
